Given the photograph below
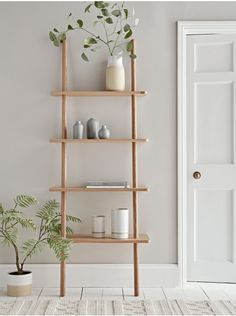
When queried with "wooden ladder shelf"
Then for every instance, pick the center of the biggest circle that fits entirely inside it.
(135, 238)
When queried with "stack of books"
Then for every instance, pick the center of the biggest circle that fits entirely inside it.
(107, 184)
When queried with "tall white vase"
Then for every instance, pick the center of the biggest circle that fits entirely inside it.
(120, 223)
(115, 74)
(98, 226)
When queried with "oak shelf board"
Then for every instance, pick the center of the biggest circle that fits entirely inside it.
(83, 189)
(98, 93)
(109, 140)
(86, 238)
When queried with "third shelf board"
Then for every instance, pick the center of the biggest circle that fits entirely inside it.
(82, 238)
(109, 140)
(83, 189)
(98, 93)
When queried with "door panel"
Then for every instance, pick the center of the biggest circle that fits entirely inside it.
(211, 209)
(214, 114)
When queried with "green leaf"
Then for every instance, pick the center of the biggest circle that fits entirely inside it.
(109, 20)
(70, 27)
(62, 37)
(90, 41)
(116, 13)
(84, 57)
(128, 34)
(126, 13)
(99, 4)
(86, 46)
(95, 23)
(25, 200)
(61, 246)
(73, 219)
(129, 46)
(105, 12)
(99, 16)
(1, 208)
(56, 43)
(87, 9)
(52, 36)
(133, 56)
(55, 30)
(126, 27)
(118, 32)
(80, 23)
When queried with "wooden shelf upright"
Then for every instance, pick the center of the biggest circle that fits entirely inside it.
(135, 238)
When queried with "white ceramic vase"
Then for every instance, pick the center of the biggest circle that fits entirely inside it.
(19, 284)
(98, 226)
(115, 74)
(120, 223)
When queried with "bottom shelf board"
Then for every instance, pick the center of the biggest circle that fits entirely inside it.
(82, 238)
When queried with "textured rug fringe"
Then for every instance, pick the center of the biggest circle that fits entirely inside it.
(74, 306)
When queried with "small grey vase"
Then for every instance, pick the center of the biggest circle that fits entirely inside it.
(78, 130)
(92, 128)
(104, 132)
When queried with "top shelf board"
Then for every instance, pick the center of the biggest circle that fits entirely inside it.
(98, 93)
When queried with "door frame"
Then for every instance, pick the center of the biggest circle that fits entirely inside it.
(185, 28)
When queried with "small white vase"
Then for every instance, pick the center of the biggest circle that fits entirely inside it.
(120, 223)
(115, 74)
(98, 226)
(19, 284)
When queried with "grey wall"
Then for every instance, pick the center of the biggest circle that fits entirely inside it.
(29, 116)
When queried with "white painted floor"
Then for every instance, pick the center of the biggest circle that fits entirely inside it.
(193, 291)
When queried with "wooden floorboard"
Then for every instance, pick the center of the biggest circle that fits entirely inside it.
(193, 292)
(154, 294)
(112, 294)
(92, 293)
(129, 294)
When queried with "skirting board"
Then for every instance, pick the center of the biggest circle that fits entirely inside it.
(99, 275)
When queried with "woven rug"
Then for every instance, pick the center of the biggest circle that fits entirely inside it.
(143, 307)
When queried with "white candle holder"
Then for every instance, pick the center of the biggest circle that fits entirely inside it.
(120, 223)
(98, 226)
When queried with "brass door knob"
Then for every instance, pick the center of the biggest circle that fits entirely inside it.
(197, 175)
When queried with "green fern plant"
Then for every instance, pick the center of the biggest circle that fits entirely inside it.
(48, 232)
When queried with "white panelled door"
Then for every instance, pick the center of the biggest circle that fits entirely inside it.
(211, 158)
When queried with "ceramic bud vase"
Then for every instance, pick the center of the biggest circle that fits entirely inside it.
(98, 226)
(115, 74)
(19, 284)
(120, 223)
(92, 128)
(104, 132)
(78, 130)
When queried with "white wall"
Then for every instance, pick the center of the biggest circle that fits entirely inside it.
(29, 116)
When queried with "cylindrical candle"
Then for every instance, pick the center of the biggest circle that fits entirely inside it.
(98, 226)
(120, 223)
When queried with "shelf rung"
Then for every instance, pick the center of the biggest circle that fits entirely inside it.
(83, 189)
(109, 140)
(98, 93)
(82, 238)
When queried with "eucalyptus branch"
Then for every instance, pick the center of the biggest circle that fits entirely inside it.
(108, 14)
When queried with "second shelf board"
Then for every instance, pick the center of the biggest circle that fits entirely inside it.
(98, 93)
(109, 140)
(82, 238)
(83, 189)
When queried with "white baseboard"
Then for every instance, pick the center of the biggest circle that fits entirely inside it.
(99, 275)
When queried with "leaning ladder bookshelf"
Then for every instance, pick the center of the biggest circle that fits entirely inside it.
(135, 238)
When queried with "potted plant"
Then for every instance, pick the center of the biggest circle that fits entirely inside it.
(117, 25)
(48, 232)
